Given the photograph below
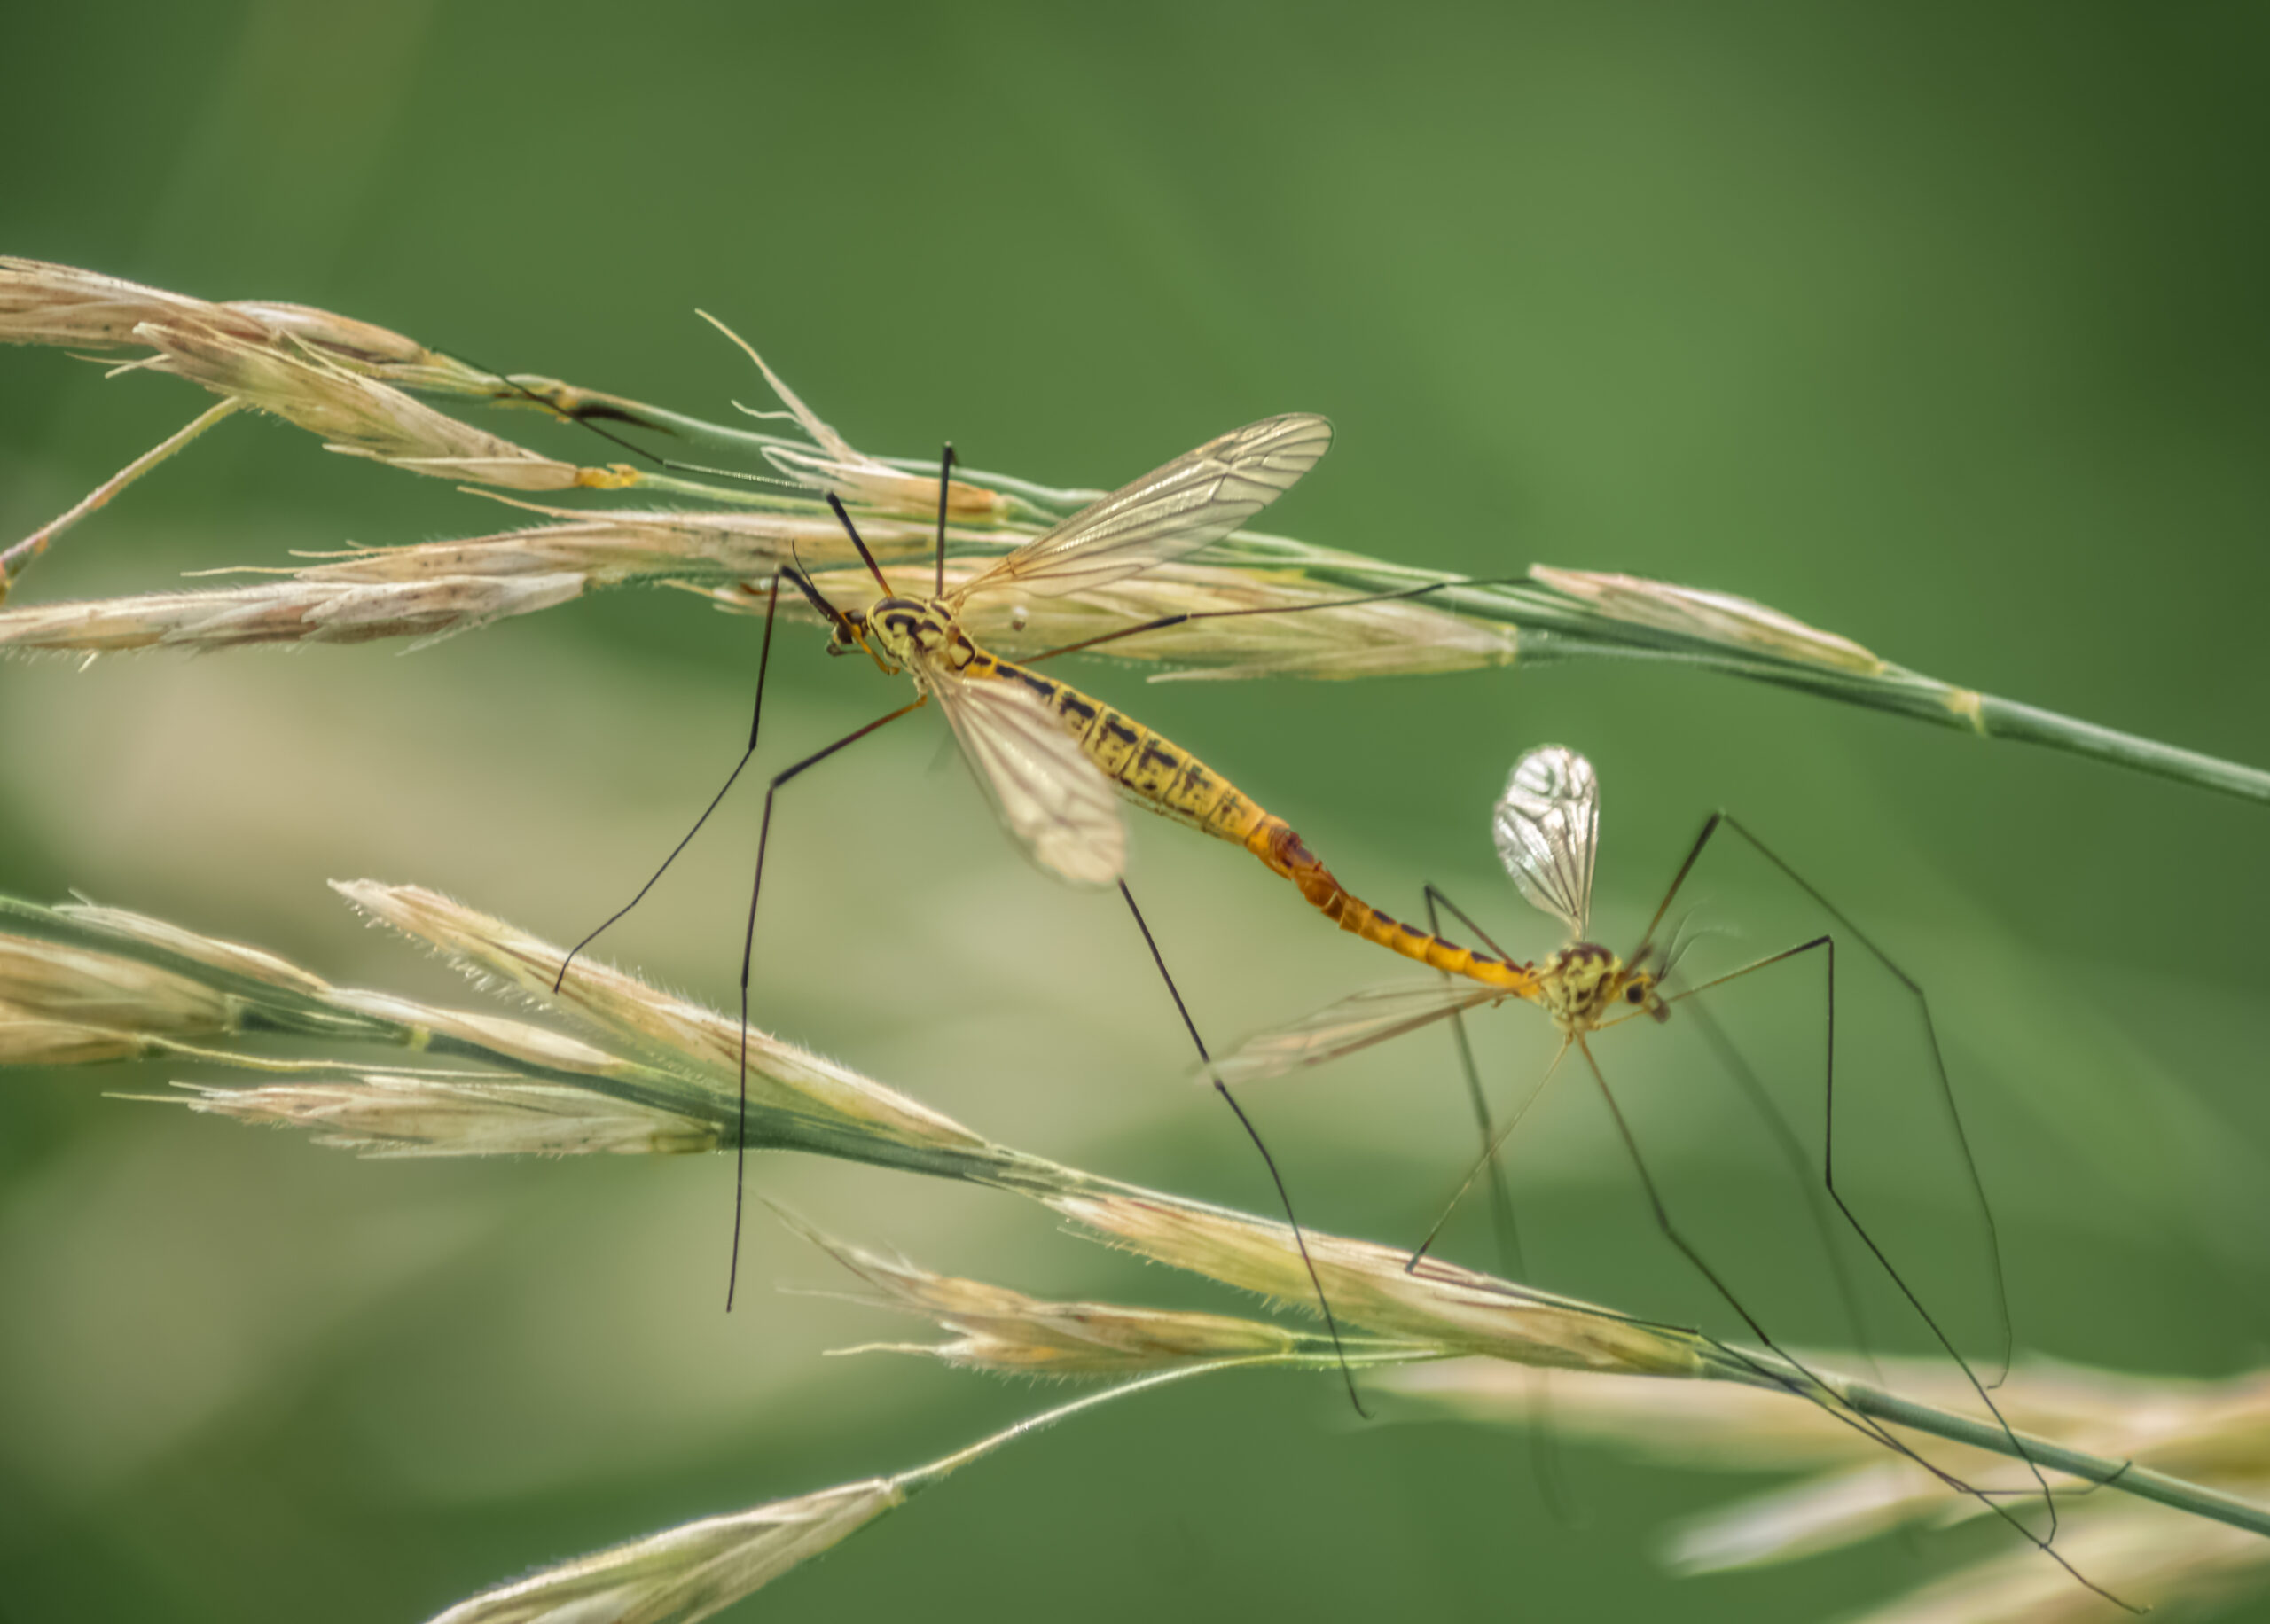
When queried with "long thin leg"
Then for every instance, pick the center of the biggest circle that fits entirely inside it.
(1434, 896)
(1938, 1065)
(1544, 1446)
(1817, 1389)
(755, 721)
(1501, 1198)
(1670, 1233)
(1284, 1196)
(1732, 1061)
(1488, 1159)
(748, 949)
(1829, 1183)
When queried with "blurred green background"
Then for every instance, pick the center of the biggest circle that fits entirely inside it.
(1941, 327)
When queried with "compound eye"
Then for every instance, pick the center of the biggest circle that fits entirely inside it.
(1636, 993)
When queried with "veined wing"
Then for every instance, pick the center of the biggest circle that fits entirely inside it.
(1199, 497)
(1056, 802)
(1356, 1022)
(1547, 827)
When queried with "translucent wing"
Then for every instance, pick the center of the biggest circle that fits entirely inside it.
(1355, 1022)
(1199, 497)
(1547, 826)
(1053, 799)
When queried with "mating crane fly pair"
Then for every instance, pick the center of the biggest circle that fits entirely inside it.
(1050, 758)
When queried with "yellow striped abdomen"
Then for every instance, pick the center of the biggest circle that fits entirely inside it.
(1175, 784)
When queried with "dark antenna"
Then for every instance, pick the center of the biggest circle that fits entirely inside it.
(804, 583)
(852, 530)
(945, 468)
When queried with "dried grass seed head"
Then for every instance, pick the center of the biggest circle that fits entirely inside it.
(76, 986)
(1714, 617)
(840, 466)
(382, 1114)
(232, 958)
(44, 303)
(351, 413)
(688, 1572)
(285, 613)
(33, 1037)
(699, 1044)
(1009, 1333)
(1438, 1303)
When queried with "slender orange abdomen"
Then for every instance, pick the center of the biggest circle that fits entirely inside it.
(1175, 784)
(1284, 851)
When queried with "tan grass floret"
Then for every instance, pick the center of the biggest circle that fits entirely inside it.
(347, 411)
(384, 1114)
(1715, 617)
(1455, 1309)
(76, 986)
(1009, 1333)
(701, 1043)
(690, 1572)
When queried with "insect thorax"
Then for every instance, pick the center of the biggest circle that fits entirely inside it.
(903, 628)
(1579, 983)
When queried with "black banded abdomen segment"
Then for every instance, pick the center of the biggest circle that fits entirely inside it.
(1162, 776)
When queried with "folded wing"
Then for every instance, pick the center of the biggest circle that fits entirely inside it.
(1547, 827)
(1197, 498)
(1355, 1022)
(1055, 801)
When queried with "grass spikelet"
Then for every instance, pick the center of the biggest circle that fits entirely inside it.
(1716, 616)
(840, 466)
(348, 413)
(1008, 1333)
(75, 987)
(30, 1037)
(1440, 1303)
(701, 1043)
(690, 1572)
(382, 1114)
(43, 303)
(235, 958)
(289, 611)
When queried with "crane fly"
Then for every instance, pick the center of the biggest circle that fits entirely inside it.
(1053, 761)
(1546, 830)
(1037, 745)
